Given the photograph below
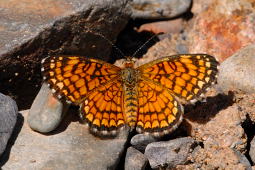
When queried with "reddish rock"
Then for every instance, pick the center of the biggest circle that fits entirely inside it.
(171, 26)
(223, 28)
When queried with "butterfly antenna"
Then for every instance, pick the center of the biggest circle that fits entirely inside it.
(109, 41)
(139, 49)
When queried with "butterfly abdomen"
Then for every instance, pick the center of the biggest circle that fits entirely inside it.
(129, 77)
(130, 105)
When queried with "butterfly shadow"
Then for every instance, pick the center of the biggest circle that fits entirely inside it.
(71, 116)
(202, 112)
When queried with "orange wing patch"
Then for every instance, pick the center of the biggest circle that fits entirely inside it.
(74, 77)
(159, 112)
(102, 109)
(187, 76)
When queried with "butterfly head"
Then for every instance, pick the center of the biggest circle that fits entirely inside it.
(129, 63)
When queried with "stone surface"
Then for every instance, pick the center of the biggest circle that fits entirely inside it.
(199, 6)
(242, 65)
(217, 128)
(150, 9)
(8, 117)
(46, 111)
(170, 45)
(170, 26)
(70, 146)
(246, 105)
(219, 125)
(218, 158)
(221, 27)
(140, 141)
(243, 160)
(135, 160)
(31, 30)
(169, 153)
(252, 149)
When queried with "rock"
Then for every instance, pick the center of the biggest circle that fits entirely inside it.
(171, 26)
(243, 160)
(169, 153)
(199, 6)
(242, 65)
(8, 117)
(223, 129)
(219, 158)
(246, 105)
(140, 141)
(221, 28)
(150, 9)
(46, 111)
(135, 160)
(175, 44)
(218, 125)
(31, 30)
(252, 149)
(70, 146)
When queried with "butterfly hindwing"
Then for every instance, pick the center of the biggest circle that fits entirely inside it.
(102, 109)
(159, 112)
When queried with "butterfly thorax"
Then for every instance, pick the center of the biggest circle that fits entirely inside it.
(129, 77)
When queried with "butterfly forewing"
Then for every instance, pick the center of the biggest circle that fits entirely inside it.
(186, 76)
(74, 77)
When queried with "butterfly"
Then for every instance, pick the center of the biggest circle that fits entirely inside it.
(145, 98)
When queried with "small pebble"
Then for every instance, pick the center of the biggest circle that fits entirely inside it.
(135, 160)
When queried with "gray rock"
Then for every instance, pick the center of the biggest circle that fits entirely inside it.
(252, 150)
(140, 141)
(170, 153)
(70, 147)
(29, 32)
(151, 9)
(8, 118)
(236, 72)
(135, 160)
(243, 160)
(46, 111)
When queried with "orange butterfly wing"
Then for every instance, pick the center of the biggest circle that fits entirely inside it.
(93, 84)
(74, 77)
(159, 112)
(187, 75)
(102, 109)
